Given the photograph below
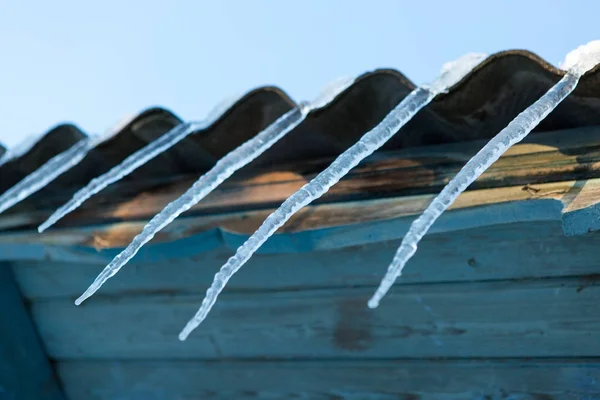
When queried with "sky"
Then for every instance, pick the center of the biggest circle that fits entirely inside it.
(92, 63)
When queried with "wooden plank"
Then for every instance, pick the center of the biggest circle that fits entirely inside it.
(335, 225)
(580, 215)
(546, 318)
(556, 156)
(25, 372)
(380, 176)
(508, 251)
(570, 379)
(547, 157)
(347, 224)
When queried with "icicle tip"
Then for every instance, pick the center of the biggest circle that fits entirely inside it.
(83, 297)
(373, 303)
(189, 328)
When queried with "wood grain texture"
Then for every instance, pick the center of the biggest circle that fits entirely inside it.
(496, 279)
(566, 156)
(539, 318)
(354, 224)
(501, 252)
(582, 214)
(339, 221)
(572, 379)
(25, 372)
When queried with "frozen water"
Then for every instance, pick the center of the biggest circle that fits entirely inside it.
(53, 168)
(370, 142)
(116, 173)
(577, 63)
(164, 143)
(454, 71)
(582, 59)
(136, 160)
(223, 169)
(330, 92)
(20, 149)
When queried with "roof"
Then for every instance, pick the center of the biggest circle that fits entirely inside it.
(477, 107)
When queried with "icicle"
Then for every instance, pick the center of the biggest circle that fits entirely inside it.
(19, 149)
(53, 168)
(222, 170)
(152, 150)
(137, 159)
(577, 63)
(116, 173)
(451, 73)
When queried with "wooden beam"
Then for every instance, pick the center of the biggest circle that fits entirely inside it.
(542, 158)
(582, 210)
(319, 227)
(501, 252)
(338, 221)
(335, 380)
(533, 318)
(25, 372)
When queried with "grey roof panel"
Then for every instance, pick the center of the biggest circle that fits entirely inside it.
(477, 107)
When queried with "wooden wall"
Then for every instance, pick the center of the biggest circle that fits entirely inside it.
(500, 302)
(508, 312)
(25, 371)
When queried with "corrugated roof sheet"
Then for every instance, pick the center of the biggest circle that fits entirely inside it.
(478, 107)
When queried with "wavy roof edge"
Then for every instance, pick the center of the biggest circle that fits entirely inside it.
(40, 140)
(489, 61)
(78, 133)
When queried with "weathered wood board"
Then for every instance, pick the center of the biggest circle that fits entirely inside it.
(547, 318)
(569, 379)
(501, 252)
(559, 167)
(25, 372)
(498, 304)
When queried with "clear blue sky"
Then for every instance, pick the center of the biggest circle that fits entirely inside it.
(92, 62)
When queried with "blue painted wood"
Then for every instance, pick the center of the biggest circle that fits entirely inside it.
(509, 251)
(570, 379)
(539, 318)
(25, 372)
(305, 297)
(582, 216)
(582, 222)
(15, 247)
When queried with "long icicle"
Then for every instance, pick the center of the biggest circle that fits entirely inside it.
(116, 173)
(577, 63)
(21, 148)
(451, 73)
(136, 160)
(222, 170)
(53, 168)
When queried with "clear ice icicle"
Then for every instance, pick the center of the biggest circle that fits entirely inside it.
(45, 174)
(577, 63)
(136, 160)
(52, 168)
(450, 74)
(222, 170)
(20, 149)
